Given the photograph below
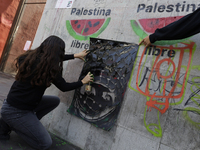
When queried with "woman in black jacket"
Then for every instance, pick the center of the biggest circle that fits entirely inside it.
(25, 104)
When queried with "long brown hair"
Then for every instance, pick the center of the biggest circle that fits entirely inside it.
(42, 64)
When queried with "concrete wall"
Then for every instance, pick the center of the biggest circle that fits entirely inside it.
(161, 105)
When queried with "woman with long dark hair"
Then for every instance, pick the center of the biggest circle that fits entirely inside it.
(26, 103)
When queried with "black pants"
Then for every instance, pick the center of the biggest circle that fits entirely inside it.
(26, 123)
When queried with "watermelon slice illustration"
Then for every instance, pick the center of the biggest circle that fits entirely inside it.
(148, 26)
(84, 29)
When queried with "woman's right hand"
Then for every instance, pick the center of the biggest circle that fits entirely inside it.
(88, 78)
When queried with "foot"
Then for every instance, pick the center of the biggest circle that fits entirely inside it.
(4, 130)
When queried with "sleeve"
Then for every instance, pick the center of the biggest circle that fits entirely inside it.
(185, 27)
(64, 86)
(68, 57)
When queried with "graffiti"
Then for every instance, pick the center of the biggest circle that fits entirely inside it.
(77, 44)
(84, 29)
(146, 26)
(58, 141)
(157, 52)
(156, 66)
(163, 80)
(95, 12)
(179, 7)
(162, 75)
(192, 103)
(111, 64)
(157, 132)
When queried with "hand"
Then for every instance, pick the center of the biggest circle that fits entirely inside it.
(88, 78)
(81, 55)
(145, 41)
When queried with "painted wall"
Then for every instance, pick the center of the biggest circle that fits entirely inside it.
(160, 110)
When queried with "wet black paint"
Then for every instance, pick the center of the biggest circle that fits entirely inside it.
(111, 64)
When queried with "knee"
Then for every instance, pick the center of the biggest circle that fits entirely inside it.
(56, 100)
(46, 143)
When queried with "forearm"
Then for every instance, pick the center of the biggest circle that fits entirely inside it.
(185, 27)
(64, 86)
(70, 86)
(68, 57)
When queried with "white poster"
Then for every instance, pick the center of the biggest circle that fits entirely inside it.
(27, 45)
(64, 3)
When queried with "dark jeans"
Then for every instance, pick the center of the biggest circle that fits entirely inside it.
(27, 123)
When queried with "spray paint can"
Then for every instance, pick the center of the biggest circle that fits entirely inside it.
(88, 88)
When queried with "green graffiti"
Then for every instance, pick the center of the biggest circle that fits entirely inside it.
(84, 38)
(194, 110)
(195, 85)
(142, 34)
(157, 127)
(187, 77)
(59, 141)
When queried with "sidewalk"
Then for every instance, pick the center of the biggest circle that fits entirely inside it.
(15, 142)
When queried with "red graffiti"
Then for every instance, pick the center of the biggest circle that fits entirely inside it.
(156, 68)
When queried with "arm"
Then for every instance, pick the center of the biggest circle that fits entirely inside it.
(64, 86)
(185, 27)
(61, 84)
(67, 57)
(80, 55)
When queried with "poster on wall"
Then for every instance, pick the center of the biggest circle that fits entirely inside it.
(111, 64)
(27, 45)
(64, 3)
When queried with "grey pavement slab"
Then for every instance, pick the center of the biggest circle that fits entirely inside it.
(16, 143)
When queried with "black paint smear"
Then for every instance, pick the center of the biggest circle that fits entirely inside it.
(111, 64)
(195, 112)
(192, 95)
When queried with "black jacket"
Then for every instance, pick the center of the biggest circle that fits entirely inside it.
(185, 27)
(25, 96)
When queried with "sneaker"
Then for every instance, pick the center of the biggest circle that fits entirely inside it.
(4, 130)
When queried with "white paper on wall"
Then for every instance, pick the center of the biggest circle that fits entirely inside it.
(64, 3)
(27, 45)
